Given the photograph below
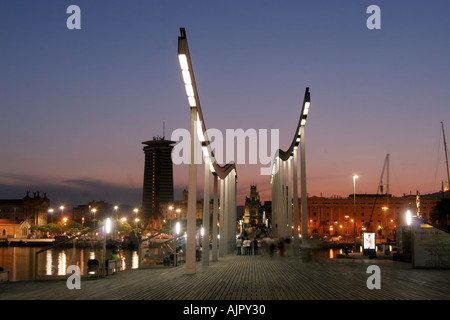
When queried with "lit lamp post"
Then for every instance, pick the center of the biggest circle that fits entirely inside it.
(170, 218)
(304, 220)
(136, 220)
(354, 208)
(386, 219)
(177, 232)
(116, 208)
(62, 210)
(191, 92)
(106, 230)
(94, 211)
(51, 214)
(198, 133)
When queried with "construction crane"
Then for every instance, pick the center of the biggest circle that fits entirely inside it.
(380, 189)
(446, 155)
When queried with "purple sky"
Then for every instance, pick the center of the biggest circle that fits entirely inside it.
(76, 104)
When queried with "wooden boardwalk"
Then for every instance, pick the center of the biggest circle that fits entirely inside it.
(250, 278)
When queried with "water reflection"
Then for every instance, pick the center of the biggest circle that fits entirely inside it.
(62, 263)
(49, 263)
(20, 261)
(135, 260)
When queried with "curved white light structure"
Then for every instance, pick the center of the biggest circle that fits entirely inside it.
(226, 174)
(284, 182)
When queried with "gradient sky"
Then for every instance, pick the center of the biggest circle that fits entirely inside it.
(75, 105)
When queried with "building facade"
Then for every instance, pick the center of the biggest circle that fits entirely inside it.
(252, 210)
(338, 216)
(33, 209)
(21, 214)
(158, 178)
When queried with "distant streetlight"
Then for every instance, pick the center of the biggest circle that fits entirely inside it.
(115, 209)
(94, 211)
(62, 210)
(51, 214)
(136, 210)
(116, 218)
(354, 208)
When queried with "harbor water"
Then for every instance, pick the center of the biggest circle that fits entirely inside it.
(20, 261)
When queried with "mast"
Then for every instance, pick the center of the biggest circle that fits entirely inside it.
(446, 154)
(387, 183)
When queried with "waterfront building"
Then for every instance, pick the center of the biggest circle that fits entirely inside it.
(177, 209)
(158, 179)
(90, 214)
(14, 229)
(380, 213)
(33, 209)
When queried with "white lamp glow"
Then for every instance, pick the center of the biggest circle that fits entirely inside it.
(108, 225)
(183, 62)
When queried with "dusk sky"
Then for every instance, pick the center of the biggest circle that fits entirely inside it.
(76, 105)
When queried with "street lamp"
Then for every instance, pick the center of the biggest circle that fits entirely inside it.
(354, 208)
(115, 209)
(136, 210)
(170, 218)
(94, 211)
(51, 213)
(62, 210)
(193, 100)
(136, 222)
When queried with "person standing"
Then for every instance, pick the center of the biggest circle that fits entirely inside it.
(246, 246)
(255, 246)
(239, 245)
(250, 247)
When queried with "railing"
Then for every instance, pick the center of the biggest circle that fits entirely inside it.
(161, 251)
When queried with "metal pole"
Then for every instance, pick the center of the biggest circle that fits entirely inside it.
(192, 200)
(303, 185)
(354, 212)
(214, 222)
(205, 254)
(226, 216)
(232, 213)
(295, 181)
(222, 233)
(103, 264)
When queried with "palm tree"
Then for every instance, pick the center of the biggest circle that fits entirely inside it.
(441, 213)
